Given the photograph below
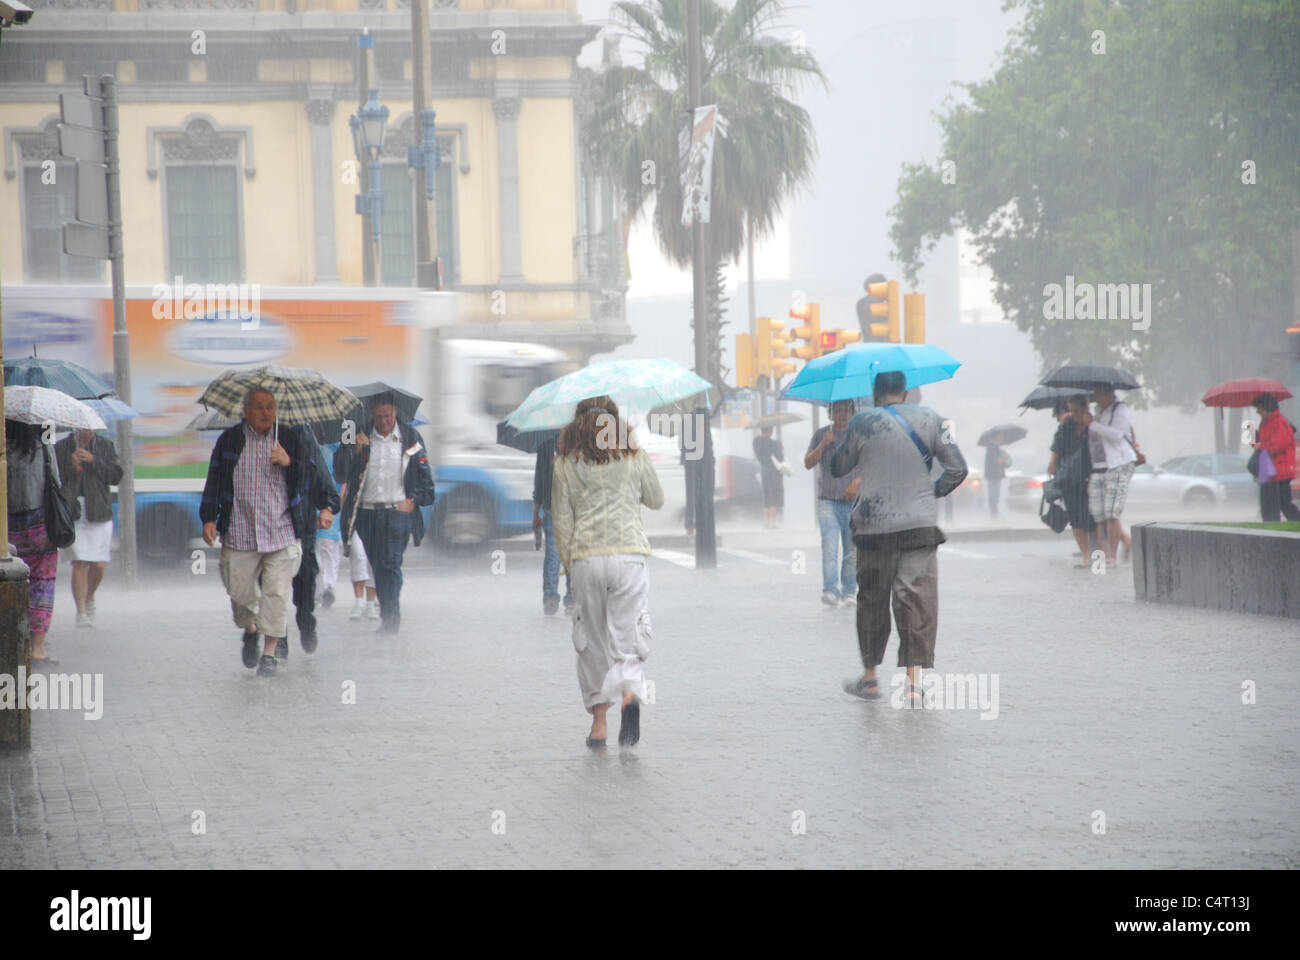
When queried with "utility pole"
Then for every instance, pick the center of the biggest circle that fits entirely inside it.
(426, 237)
(365, 58)
(706, 546)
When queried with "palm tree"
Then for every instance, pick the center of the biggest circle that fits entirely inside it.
(632, 115)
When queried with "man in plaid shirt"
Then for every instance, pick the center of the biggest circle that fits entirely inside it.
(253, 499)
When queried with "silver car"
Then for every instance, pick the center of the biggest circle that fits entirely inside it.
(1152, 488)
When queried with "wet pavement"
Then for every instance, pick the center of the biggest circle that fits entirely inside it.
(1120, 738)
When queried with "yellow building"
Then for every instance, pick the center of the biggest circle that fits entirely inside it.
(237, 162)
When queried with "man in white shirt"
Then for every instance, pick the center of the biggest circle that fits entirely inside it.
(388, 480)
(1114, 458)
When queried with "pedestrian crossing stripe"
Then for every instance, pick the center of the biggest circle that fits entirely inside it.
(751, 555)
(968, 554)
(672, 556)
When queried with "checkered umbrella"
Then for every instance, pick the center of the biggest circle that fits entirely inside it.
(301, 395)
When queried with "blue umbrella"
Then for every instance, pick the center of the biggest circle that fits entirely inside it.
(851, 373)
(112, 409)
(62, 375)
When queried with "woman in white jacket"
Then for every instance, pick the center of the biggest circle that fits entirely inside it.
(600, 482)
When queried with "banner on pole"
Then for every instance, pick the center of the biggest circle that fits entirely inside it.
(695, 155)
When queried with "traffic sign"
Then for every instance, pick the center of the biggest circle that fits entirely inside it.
(81, 111)
(92, 193)
(83, 240)
(81, 143)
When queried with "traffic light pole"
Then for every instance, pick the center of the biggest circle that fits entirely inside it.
(706, 547)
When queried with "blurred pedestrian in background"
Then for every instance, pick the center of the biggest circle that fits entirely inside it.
(1276, 437)
(27, 466)
(322, 504)
(835, 496)
(895, 527)
(597, 495)
(770, 454)
(996, 462)
(1114, 454)
(544, 523)
(1071, 465)
(88, 466)
(388, 481)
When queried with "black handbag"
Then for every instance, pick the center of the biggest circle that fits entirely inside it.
(59, 524)
(1253, 464)
(1054, 516)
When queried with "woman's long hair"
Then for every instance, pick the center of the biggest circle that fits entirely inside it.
(23, 437)
(596, 434)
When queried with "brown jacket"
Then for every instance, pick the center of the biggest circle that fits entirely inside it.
(93, 480)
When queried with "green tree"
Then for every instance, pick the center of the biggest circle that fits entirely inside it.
(751, 68)
(1131, 165)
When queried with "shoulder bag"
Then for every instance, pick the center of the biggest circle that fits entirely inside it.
(58, 515)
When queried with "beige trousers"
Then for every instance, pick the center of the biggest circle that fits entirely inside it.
(265, 608)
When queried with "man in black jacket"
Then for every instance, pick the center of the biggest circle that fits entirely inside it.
(322, 496)
(388, 480)
(256, 499)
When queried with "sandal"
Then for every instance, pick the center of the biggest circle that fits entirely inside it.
(863, 689)
(915, 700)
(596, 744)
(45, 661)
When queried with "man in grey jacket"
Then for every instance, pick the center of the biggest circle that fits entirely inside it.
(895, 527)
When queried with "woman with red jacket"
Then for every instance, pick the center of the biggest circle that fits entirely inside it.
(1276, 436)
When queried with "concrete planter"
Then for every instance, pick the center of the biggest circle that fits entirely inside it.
(1224, 568)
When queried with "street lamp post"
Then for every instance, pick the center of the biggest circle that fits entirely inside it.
(367, 126)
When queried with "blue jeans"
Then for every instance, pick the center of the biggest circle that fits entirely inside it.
(837, 547)
(384, 534)
(551, 565)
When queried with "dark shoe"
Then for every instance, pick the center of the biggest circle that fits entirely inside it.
(282, 648)
(309, 641)
(250, 648)
(551, 606)
(266, 666)
(629, 730)
(595, 744)
(327, 599)
(863, 689)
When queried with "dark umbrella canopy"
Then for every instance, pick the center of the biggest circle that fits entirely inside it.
(405, 401)
(1001, 435)
(528, 442)
(1087, 376)
(62, 375)
(1045, 398)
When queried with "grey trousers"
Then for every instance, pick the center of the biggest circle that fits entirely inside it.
(911, 579)
(611, 625)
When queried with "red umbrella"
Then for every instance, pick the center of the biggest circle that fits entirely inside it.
(1239, 393)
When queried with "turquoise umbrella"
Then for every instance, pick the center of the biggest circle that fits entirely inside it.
(637, 386)
(850, 373)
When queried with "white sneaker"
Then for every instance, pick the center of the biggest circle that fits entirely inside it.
(830, 599)
(83, 620)
(849, 601)
(358, 610)
(372, 611)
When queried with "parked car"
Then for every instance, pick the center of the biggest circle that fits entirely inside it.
(1227, 468)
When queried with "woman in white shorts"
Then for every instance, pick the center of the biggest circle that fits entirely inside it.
(88, 467)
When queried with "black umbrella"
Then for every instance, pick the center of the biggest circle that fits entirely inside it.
(508, 436)
(1087, 376)
(405, 401)
(1001, 435)
(1045, 398)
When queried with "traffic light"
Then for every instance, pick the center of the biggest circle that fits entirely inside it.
(914, 318)
(833, 340)
(810, 332)
(878, 310)
(746, 375)
(771, 349)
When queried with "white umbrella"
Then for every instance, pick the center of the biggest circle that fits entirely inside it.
(40, 405)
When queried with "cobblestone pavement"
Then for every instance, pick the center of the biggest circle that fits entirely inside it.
(464, 747)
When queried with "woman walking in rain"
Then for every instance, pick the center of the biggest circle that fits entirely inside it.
(26, 465)
(601, 480)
